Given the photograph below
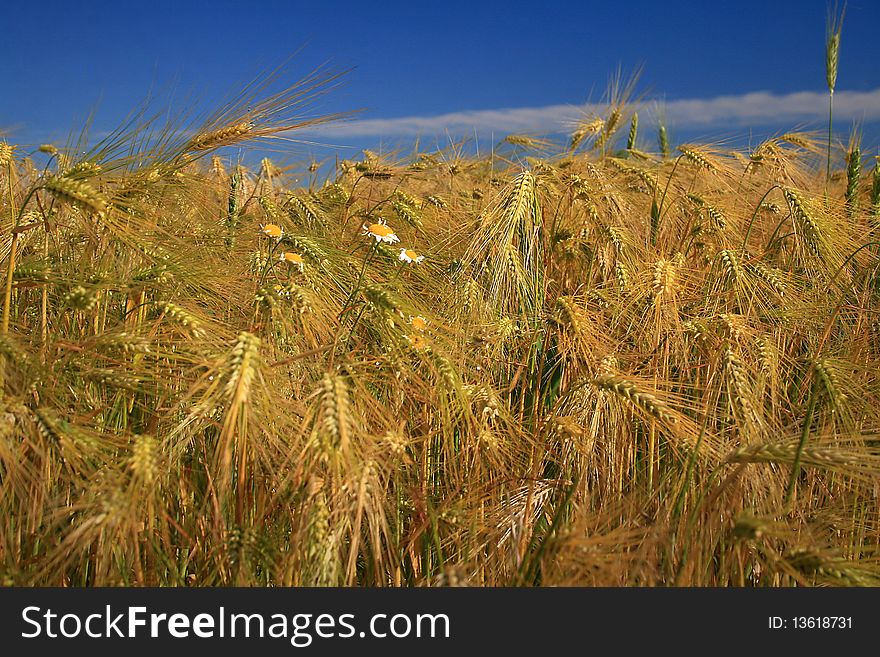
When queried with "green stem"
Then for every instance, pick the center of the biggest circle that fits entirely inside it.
(775, 232)
(655, 227)
(532, 564)
(353, 295)
(7, 297)
(850, 257)
(360, 279)
(805, 434)
(755, 214)
(692, 461)
(830, 117)
(671, 176)
(703, 498)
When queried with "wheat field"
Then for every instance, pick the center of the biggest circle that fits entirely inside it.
(606, 362)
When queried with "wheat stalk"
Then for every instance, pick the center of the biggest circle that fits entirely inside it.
(770, 276)
(76, 191)
(853, 173)
(633, 132)
(740, 386)
(833, 28)
(225, 136)
(663, 141)
(698, 157)
(806, 220)
(730, 261)
(629, 391)
(337, 421)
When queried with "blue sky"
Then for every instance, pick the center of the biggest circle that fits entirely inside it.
(420, 67)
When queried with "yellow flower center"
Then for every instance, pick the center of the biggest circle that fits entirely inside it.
(294, 258)
(380, 230)
(419, 323)
(412, 255)
(272, 230)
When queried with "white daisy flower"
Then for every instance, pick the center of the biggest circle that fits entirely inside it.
(272, 230)
(410, 256)
(294, 259)
(382, 232)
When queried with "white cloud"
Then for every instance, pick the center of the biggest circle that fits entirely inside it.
(758, 108)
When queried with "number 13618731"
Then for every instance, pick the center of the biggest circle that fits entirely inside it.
(810, 623)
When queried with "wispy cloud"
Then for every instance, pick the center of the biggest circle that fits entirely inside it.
(758, 108)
